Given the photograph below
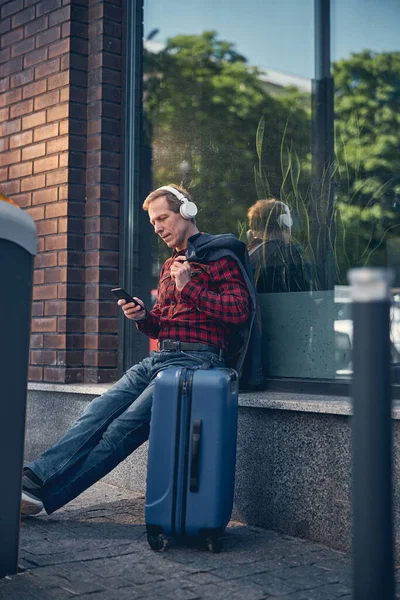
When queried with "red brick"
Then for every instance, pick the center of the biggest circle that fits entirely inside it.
(58, 16)
(10, 127)
(76, 259)
(63, 192)
(21, 139)
(38, 277)
(12, 37)
(36, 26)
(33, 151)
(4, 174)
(37, 213)
(71, 324)
(37, 311)
(20, 170)
(5, 55)
(45, 259)
(55, 177)
(9, 158)
(4, 84)
(46, 164)
(9, 188)
(47, 99)
(54, 341)
(46, 6)
(33, 183)
(57, 145)
(49, 324)
(22, 108)
(34, 120)
(46, 37)
(47, 227)
(58, 48)
(56, 275)
(4, 144)
(23, 200)
(43, 357)
(35, 57)
(36, 338)
(55, 308)
(5, 25)
(11, 8)
(64, 159)
(47, 68)
(11, 66)
(40, 245)
(59, 80)
(4, 114)
(23, 47)
(35, 373)
(22, 78)
(55, 374)
(59, 209)
(45, 132)
(56, 242)
(56, 113)
(44, 196)
(44, 292)
(34, 89)
(23, 17)
(64, 127)
(10, 97)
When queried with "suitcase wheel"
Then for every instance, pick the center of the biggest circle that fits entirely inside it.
(214, 544)
(156, 542)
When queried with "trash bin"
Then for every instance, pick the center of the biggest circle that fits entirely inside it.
(17, 251)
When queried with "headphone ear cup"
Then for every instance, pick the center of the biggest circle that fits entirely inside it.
(285, 220)
(188, 210)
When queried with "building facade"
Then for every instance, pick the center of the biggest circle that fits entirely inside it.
(103, 100)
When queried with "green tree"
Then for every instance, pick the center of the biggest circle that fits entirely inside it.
(203, 103)
(367, 128)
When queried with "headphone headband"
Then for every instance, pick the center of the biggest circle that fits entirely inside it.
(187, 209)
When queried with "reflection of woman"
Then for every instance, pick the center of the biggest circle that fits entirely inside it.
(279, 263)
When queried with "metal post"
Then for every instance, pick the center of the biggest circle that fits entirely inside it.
(372, 436)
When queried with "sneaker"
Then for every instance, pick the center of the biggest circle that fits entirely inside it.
(30, 504)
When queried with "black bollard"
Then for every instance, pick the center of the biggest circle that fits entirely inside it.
(17, 250)
(373, 577)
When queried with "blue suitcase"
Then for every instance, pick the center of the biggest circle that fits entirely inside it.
(192, 455)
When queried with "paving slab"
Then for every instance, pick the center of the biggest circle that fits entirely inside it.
(95, 548)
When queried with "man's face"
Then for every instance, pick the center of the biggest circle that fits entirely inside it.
(172, 228)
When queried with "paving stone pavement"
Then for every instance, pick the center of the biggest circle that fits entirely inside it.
(95, 548)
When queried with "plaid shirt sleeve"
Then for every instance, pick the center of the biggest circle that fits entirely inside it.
(230, 303)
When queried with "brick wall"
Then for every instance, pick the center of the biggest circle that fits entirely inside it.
(60, 63)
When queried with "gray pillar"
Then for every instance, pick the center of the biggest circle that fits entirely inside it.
(372, 436)
(17, 250)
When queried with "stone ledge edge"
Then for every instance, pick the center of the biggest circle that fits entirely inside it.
(334, 405)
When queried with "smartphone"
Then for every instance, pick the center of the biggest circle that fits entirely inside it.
(123, 295)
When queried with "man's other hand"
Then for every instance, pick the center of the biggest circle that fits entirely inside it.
(132, 311)
(180, 272)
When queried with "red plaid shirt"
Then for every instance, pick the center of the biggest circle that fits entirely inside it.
(205, 310)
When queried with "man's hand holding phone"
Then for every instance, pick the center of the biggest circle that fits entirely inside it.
(133, 307)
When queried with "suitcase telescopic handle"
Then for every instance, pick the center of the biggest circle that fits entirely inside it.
(194, 467)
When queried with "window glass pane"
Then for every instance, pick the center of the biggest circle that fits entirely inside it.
(366, 71)
(239, 109)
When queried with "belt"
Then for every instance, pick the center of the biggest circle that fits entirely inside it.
(177, 346)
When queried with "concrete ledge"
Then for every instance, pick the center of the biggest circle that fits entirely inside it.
(293, 471)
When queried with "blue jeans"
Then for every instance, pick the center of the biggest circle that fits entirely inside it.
(111, 428)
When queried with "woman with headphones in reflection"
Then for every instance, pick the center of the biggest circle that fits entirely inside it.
(278, 262)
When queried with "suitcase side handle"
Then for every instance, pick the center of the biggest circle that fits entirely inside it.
(194, 467)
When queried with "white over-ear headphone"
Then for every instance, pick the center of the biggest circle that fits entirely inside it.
(285, 220)
(187, 209)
